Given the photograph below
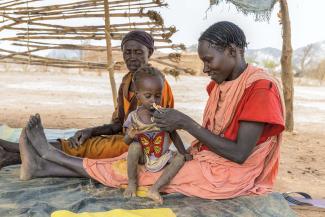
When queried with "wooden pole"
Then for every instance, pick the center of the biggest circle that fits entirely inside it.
(109, 53)
(286, 64)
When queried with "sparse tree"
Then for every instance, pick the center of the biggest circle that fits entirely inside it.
(270, 65)
(305, 59)
(321, 72)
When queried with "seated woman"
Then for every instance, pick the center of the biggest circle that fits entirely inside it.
(237, 148)
(105, 141)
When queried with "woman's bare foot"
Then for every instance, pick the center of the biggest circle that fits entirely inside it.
(36, 135)
(130, 191)
(31, 162)
(155, 196)
(8, 158)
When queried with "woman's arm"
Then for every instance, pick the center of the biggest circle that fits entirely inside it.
(106, 129)
(82, 135)
(237, 151)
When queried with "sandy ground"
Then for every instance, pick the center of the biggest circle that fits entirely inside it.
(78, 101)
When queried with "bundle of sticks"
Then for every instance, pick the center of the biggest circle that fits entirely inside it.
(36, 26)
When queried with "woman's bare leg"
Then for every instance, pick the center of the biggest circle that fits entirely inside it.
(12, 157)
(9, 152)
(14, 147)
(8, 158)
(169, 173)
(35, 134)
(33, 166)
(9, 146)
(133, 158)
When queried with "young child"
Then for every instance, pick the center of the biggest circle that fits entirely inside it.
(149, 145)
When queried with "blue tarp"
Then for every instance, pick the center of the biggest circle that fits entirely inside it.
(40, 197)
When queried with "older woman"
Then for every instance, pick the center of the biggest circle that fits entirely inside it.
(137, 47)
(236, 151)
(105, 141)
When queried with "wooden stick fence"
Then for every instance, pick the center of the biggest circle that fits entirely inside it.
(40, 26)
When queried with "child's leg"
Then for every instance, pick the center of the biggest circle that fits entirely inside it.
(134, 156)
(169, 173)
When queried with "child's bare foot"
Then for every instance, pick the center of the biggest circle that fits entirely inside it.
(8, 158)
(36, 135)
(155, 196)
(130, 191)
(31, 162)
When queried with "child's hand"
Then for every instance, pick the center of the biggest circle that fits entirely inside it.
(188, 157)
(132, 132)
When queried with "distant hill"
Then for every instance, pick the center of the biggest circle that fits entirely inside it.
(260, 56)
(264, 57)
(192, 48)
(317, 53)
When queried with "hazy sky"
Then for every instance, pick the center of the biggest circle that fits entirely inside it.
(191, 18)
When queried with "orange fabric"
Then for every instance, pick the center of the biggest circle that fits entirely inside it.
(98, 147)
(261, 102)
(131, 94)
(209, 175)
(224, 98)
(113, 146)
